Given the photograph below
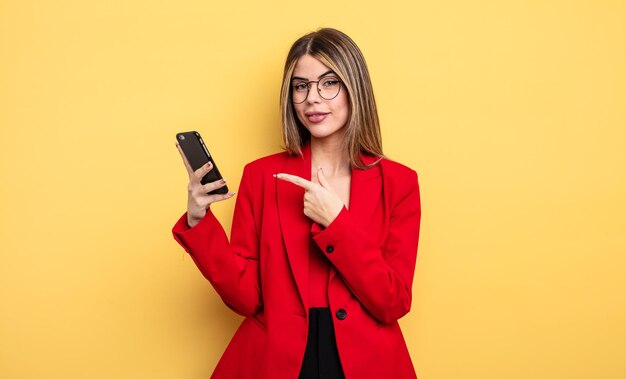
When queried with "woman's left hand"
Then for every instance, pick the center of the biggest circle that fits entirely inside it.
(321, 203)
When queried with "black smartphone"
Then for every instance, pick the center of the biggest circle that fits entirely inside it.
(198, 155)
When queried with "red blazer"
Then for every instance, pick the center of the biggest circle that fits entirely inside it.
(262, 273)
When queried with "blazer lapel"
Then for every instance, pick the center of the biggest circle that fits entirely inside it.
(295, 226)
(365, 190)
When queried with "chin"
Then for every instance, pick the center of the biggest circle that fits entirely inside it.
(323, 131)
(319, 134)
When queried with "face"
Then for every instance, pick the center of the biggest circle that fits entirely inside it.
(321, 117)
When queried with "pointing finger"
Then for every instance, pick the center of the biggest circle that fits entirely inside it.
(307, 185)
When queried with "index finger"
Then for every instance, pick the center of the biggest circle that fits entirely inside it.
(307, 185)
(185, 161)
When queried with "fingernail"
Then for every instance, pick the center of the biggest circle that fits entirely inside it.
(223, 181)
(274, 175)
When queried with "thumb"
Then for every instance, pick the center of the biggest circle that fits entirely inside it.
(321, 179)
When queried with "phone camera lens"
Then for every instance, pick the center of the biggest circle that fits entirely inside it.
(181, 137)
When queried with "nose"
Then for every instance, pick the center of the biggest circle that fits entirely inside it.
(313, 96)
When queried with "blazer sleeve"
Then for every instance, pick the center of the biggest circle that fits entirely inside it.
(380, 277)
(231, 267)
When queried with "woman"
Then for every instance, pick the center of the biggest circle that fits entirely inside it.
(324, 236)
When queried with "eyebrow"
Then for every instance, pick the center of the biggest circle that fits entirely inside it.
(319, 77)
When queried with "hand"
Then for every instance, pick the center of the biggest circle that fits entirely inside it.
(198, 197)
(321, 203)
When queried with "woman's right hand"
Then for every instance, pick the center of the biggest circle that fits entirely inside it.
(198, 197)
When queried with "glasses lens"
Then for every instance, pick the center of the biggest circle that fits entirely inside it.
(329, 87)
(299, 91)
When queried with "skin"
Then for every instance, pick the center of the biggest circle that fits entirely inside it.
(198, 199)
(329, 188)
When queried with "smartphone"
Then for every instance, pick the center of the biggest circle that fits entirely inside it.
(198, 155)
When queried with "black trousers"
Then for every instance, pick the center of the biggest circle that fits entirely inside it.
(321, 359)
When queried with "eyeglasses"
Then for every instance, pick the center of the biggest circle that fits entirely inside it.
(328, 88)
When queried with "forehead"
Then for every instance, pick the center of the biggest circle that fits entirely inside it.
(309, 67)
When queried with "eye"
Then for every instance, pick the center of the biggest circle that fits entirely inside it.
(330, 82)
(300, 87)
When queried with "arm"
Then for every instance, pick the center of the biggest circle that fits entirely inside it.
(231, 267)
(380, 277)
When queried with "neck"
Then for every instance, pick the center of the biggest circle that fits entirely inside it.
(331, 155)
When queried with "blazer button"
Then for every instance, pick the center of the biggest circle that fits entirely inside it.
(330, 249)
(341, 314)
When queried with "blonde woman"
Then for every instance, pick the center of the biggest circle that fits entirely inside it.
(324, 236)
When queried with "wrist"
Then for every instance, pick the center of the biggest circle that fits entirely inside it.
(193, 220)
(329, 220)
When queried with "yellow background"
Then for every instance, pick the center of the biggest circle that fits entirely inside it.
(513, 114)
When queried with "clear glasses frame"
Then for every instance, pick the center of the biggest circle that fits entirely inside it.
(327, 87)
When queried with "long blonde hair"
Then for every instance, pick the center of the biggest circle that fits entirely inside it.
(339, 52)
